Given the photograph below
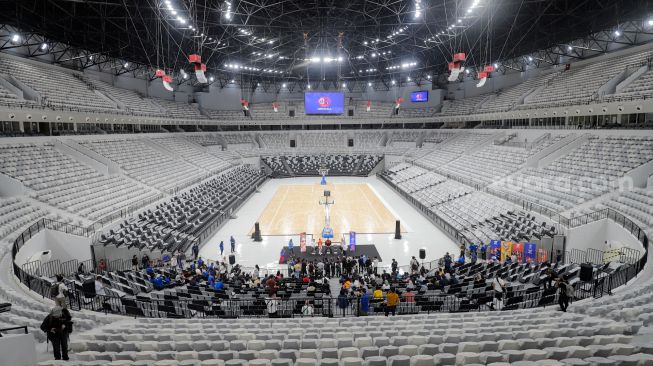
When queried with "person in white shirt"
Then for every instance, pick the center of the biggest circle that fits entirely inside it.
(273, 306)
(307, 309)
(499, 286)
(375, 265)
(62, 290)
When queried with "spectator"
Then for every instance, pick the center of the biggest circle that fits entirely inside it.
(135, 263)
(565, 294)
(391, 302)
(221, 248)
(499, 286)
(364, 308)
(195, 250)
(80, 268)
(273, 305)
(291, 246)
(145, 261)
(58, 292)
(394, 265)
(343, 301)
(57, 326)
(409, 296)
(233, 244)
(102, 266)
(307, 309)
(375, 265)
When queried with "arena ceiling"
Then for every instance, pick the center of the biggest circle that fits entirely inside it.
(317, 39)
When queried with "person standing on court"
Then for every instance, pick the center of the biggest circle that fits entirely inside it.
(221, 247)
(291, 246)
(233, 244)
(196, 251)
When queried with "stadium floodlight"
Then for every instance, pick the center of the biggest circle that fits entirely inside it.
(496, 65)
(44, 46)
(344, 85)
(211, 78)
(126, 65)
(373, 55)
(369, 84)
(15, 38)
(569, 48)
(233, 81)
(408, 78)
(315, 59)
(530, 58)
(365, 43)
(428, 77)
(617, 33)
(460, 20)
(650, 22)
(393, 82)
(283, 85)
(339, 58)
(185, 76)
(308, 86)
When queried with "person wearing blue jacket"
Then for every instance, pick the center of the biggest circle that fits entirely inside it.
(221, 247)
(365, 303)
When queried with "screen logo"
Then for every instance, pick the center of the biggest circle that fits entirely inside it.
(324, 102)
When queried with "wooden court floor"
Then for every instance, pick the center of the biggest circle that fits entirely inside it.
(295, 208)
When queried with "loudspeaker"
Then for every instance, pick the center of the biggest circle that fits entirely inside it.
(350, 112)
(257, 233)
(88, 288)
(422, 254)
(291, 113)
(350, 142)
(293, 143)
(586, 271)
(232, 259)
(397, 230)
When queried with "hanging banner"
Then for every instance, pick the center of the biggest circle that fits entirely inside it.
(518, 251)
(495, 247)
(506, 246)
(530, 252)
(302, 242)
(369, 105)
(352, 241)
(542, 256)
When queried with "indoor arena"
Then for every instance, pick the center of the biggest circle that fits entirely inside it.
(326, 182)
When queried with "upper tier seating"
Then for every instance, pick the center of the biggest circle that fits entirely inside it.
(636, 204)
(640, 88)
(581, 84)
(264, 111)
(174, 224)
(226, 115)
(193, 153)
(463, 106)
(418, 112)
(368, 140)
(15, 214)
(492, 163)
(377, 110)
(507, 99)
(133, 102)
(178, 109)
(275, 140)
(585, 173)
(68, 184)
(11, 99)
(322, 140)
(146, 164)
(58, 88)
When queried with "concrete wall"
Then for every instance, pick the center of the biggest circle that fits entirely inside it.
(64, 247)
(594, 235)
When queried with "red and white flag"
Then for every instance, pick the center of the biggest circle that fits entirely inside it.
(275, 106)
(369, 105)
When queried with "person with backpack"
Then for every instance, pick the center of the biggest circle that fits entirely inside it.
(343, 301)
(565, 294)
(58, 292)
(57, 327)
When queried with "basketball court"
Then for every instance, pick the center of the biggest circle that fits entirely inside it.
(296, 208)
(286, 207)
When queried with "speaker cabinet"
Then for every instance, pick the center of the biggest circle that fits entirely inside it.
(586, 271)
(350, 112)
(350, 142)
(291, 113)
(422, 254)
(293, 143)
(232, 259)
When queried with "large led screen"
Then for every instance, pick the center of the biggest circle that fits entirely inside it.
(419, 96)
(324, 103)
